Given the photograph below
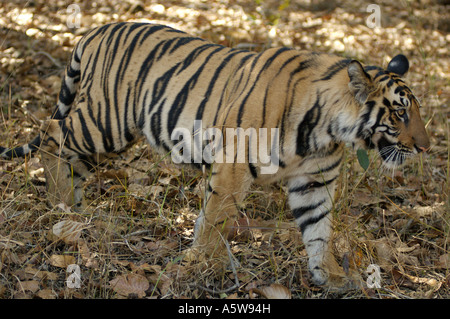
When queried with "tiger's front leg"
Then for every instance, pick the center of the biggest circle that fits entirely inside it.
(311, 202)
(225, 192)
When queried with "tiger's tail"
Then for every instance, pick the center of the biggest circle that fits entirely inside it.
(67, 94)
(69, 85)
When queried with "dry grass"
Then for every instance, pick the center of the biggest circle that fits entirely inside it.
(143, 208)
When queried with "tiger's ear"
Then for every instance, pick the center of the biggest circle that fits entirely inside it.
(398, 65)
(360, 84)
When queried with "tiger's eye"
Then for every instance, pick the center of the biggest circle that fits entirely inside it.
(401, 112)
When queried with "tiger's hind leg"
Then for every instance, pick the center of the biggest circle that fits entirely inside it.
(65, 170)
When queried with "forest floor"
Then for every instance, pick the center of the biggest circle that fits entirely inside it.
(130, 241)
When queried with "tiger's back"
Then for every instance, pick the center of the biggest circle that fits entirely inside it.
(150, 79)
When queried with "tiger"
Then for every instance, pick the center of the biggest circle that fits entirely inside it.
(130, 80)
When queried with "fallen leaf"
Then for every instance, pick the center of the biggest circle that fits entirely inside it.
(385, 254)
(46, 294)
(41, 274)
(388, 255)
(68, 230)
(143, 191)
(88, 257)
(444, 261)
(62, 261)
(274, 291)
(419, 280)
(64, 208)
(28, 285)
(130, 284)
(162, 281)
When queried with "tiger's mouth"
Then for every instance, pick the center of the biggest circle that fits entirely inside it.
(394, 155)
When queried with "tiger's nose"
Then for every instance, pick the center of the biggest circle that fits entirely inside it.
(421, 143)
(423, 149)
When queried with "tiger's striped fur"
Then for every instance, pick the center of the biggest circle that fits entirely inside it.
(127, 80)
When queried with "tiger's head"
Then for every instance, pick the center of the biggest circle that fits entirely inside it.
(389, 119)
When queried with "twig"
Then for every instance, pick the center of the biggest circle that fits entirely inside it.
(54, 61)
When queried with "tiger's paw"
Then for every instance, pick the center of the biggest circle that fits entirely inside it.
(205, 262)
(343, 282)
(334, 278)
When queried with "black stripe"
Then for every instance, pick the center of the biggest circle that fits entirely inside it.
(329, 168)
(365, 119)
(334, 69)
(116, 49)
(313, 220)
(95, 33)
(90, 65)
(159, 88)
(150, 30)
(88, 142)
(76, 58)
(20, 151)
(65, 96)
(141, 120)
(286, 112)
(380, 73)
(57, 115)
(87, 84)
(129, 137)
(107, 140)
(304, 65)
(300, 211)
(253, 170)
(156, 123)
(309, 186)
(390, 83)
(182, 41)
(371, 68)
(237, 85)
(71, 72)
(68, 139)
(399, 89)
(305, 128)
(380, 114)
